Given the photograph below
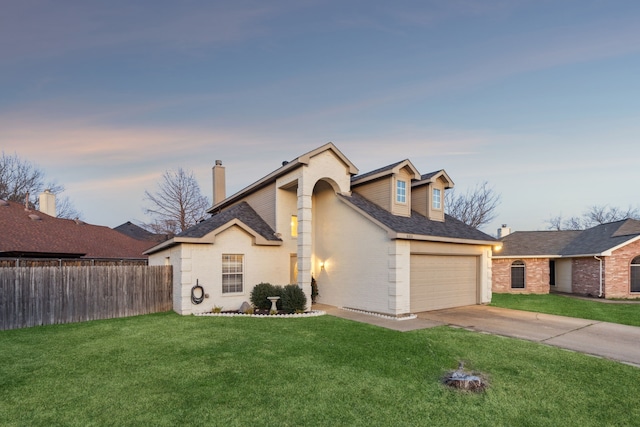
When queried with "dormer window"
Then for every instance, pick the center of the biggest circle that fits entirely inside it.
(401, 191)
(437, 198)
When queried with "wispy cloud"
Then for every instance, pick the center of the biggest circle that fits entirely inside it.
(48, 28)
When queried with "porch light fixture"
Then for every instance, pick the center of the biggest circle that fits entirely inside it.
(498, 247)
(321, 265)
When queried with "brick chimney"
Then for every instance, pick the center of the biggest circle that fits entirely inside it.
(48, 203)
(219, 185)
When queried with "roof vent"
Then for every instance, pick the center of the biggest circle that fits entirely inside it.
(35, 217)
(285, 162)
(4, 203)
(78, 221)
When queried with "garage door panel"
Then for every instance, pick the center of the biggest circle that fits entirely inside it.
(439, 282)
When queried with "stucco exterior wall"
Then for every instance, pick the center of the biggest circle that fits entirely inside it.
(203, 263)
(536, 276)
(485, 268)
(356, 254)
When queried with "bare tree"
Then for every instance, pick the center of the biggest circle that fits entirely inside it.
(602, 214)
(476, 207)
(594, 215)
(21, 181)
(177, 204)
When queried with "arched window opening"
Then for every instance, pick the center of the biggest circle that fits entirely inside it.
(517, 274)
(635, 274)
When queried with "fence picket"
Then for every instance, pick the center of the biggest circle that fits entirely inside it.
(31, 296)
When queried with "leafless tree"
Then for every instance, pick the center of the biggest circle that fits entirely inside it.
(177, 204)
(594, 215)
(476, 207)
(21, 181)
(602, 214)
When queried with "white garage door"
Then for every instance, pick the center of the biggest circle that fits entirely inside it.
(443, 281)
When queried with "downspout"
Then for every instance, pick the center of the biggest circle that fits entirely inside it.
(600, 259)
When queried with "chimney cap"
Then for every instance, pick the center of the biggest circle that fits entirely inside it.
(218, 162)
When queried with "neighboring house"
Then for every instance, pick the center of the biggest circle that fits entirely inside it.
(28, 234)
(136, 232)
(602, 261)
(378, 241)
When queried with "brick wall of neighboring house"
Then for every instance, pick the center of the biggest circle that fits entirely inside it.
(586, 276)
(617, 272)
(536, 276)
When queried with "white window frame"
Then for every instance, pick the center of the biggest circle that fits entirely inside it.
(437, 198)
(401, 191)
(232, 270)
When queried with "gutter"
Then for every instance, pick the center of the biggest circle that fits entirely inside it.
(600, 292)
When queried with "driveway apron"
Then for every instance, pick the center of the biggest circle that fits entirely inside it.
(608, 340)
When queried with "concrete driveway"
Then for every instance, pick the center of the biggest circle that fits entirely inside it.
(608, 340)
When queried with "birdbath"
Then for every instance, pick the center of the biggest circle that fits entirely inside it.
(274, 307)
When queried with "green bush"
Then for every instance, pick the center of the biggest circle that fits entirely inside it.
(260, 293)
(293, 299)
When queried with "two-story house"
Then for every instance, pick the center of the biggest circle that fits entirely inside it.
(378, 241)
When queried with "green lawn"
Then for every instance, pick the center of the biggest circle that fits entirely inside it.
(165, 370)
(623, 313)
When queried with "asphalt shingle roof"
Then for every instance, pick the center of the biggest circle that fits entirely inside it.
(136, 232)
(532, 243)
(241, 211)
(599, 239)
(356, 178)
(592, 241)
(35, 234)
(417, 223)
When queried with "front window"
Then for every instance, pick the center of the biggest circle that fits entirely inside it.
(635, 274)
(401, 192)
(437, 198)
(517, 274)
(232, 273)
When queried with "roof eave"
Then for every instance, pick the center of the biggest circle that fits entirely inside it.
(527, 256)
(443, 239)
(391, 171)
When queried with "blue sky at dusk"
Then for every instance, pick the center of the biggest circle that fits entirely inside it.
(539, 98)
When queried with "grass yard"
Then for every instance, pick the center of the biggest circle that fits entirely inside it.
(165, 370)
(626, 314)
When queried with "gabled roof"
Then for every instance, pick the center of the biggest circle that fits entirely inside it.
(417, 226)
(286, 168)
(433, 177)
(599, 240)
(30, 233)
(241, 215)
(603, 239)
(385, 171)
(545, 244)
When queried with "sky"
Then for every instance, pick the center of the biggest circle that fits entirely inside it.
(540, 99)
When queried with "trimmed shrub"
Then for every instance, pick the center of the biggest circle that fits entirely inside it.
(293, 299)
(260, 293)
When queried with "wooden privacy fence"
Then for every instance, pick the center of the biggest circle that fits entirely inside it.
(31, 296)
